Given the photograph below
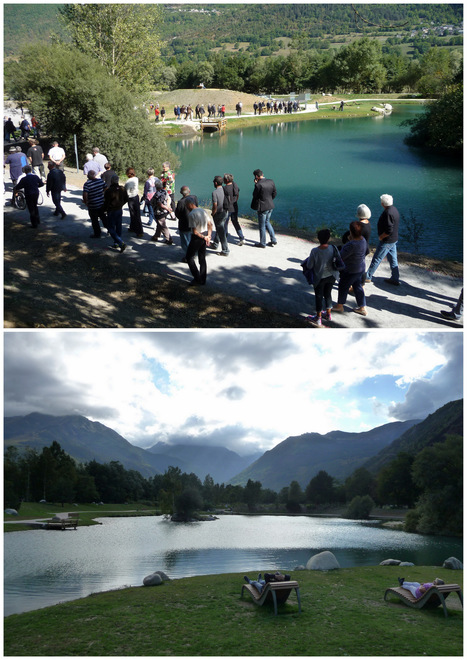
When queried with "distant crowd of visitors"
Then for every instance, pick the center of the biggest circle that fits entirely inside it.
(275, 107)
(105, 198)
(187, 113)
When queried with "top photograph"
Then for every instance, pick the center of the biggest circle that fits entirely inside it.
(233, 166)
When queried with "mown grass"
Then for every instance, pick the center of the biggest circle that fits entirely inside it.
(87, 513)
(343, 613)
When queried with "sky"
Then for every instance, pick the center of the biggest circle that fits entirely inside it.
(244, 390)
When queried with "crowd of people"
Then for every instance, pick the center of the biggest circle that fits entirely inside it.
(187, 112)
(275, 107)
(105, 197)
(26, 127)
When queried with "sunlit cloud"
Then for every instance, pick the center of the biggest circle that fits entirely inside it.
(244, 390)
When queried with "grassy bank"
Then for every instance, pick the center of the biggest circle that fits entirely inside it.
(343, 613)
(87, 513)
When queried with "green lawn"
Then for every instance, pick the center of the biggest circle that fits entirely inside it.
(87, 513)
(343, 613)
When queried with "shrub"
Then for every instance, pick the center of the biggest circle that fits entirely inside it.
(360, 507)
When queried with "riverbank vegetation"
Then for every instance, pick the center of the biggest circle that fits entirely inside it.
(441, 126)
(74, 99)
(205, 616)
(90, 83)
(427, 483)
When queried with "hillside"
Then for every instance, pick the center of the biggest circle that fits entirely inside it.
(219, 462)
(190, 31)
(82, 439)
(446, 421)
(302, 457)
(203, 97)
(86, 441)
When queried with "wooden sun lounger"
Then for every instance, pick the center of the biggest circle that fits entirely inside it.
(434, 597)
(278, 592)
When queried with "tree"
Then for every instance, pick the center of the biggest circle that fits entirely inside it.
(69, 96)
(12, 486)
(358, 68)
(438, 472)
(438, 68)
(251, 494)
(360, 482)
(295, 496)
(187, 503)
(440, 127)
(395, 484)
(122, 37)
(360, 508)
(321, 489)
(208, 491)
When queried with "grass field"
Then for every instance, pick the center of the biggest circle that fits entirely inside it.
(87, 513)
(343, 613)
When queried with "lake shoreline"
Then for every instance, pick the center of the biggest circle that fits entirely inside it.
(208, 616)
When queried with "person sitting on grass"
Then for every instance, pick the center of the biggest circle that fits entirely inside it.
(416, 589)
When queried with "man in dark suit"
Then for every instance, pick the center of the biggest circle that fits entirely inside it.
(263, 194)
(56, 184)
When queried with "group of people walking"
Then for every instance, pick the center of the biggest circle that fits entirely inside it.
(105, 197)
(275, 107)
(348, 265)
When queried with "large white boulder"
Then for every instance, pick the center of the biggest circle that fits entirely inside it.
(158, 577)
(453, 563)
(323, 561)
(152, 580)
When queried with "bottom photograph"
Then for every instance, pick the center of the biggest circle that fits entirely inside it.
(219, 493)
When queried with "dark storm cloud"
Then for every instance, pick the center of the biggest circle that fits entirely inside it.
(233, 393)
(426, 395)
(34, 381)
(228, 351)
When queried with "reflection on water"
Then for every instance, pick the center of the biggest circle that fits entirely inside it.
(46, 567)
(323, 169)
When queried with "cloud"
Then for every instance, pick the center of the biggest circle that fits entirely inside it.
(244, 390)
(426, 395)
(226, 351)
(234, 393)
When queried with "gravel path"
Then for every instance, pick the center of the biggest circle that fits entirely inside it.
(270, 278)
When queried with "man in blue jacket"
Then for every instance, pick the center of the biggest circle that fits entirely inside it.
(15, 161)
(388, 232)
(30, 184)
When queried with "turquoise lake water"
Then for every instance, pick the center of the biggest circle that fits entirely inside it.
(47, 567)
(323, 169)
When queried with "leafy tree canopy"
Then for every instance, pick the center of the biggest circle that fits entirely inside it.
(122, 37)
(441, 126)
(71, 95)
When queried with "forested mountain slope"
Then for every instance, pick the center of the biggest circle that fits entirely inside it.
(448, 420)
(188, 29)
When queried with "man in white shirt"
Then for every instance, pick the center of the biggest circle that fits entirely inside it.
(57, 155)
(100, 159)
